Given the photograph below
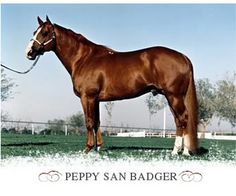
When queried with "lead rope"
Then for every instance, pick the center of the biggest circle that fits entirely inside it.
(24, 72)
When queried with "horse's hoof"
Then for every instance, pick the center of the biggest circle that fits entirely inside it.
(186, 152)
(175, 152)
(200, 151)
(88, 149)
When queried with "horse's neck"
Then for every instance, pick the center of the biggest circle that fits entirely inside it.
(71, 48)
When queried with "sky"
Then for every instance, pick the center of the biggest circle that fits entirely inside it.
(206, 33)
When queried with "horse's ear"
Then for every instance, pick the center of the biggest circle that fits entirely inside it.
(39, 21)
(47, 19)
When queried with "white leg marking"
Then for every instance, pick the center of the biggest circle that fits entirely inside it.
(178, 145)
(98, 148)
(186, 145)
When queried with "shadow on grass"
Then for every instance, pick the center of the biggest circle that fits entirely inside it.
(29, 144)
(135, 148)
(200, 151)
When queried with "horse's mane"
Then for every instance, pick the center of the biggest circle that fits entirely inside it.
(84, 39)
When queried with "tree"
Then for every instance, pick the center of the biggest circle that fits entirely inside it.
(56, 126)
(109, 107)
(206, 102)
(154, 104)
(76, 121)
(6, 86)
(6, 91)
(226, 99)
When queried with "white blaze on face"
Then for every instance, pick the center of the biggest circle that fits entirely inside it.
(30, 45)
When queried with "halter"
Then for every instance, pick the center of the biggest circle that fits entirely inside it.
(43, 44)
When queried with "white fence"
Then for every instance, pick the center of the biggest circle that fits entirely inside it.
(68, 129)
(34, 127)
(43, 127)
(218, 136)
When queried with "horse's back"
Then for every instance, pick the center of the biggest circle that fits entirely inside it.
(155, 63)
(151, 58)
(129, 74)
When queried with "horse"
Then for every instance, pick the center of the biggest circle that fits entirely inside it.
(102, 74)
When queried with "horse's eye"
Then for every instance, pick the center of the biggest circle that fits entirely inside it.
(45, 33)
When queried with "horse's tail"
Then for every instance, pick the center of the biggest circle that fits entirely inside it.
(192, 108)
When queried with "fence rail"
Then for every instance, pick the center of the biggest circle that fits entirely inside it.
(46, 128)
(43, 128)
(35, 127)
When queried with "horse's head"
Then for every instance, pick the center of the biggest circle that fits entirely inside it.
(44, 39)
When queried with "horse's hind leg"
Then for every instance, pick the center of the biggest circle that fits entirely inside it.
(179, 112)
(98, 134)
(178, 145)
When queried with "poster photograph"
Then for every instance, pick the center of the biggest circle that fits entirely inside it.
(118, 98)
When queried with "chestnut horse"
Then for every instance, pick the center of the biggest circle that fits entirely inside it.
(100, 74)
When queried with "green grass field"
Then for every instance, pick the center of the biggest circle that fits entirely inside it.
(146, 149)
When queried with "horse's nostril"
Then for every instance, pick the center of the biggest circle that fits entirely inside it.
(29, 52)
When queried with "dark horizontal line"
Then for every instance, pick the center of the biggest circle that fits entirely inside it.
(29, 144)
(136, 148)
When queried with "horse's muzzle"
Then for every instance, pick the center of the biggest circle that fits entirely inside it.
(31, 54)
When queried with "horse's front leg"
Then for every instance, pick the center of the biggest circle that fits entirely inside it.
(88, 104)
(97, 127)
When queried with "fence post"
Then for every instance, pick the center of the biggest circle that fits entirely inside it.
(164, 122)
(66, 129)
(32, 127)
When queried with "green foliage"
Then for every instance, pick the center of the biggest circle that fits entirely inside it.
(226, 99)
(218, 100)
(6, 86)
(206, 100)
(56, 126)
(8, 131)
(26, 131)
(155, 103)
(45, 132)
(77, 123)
(77, 120)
